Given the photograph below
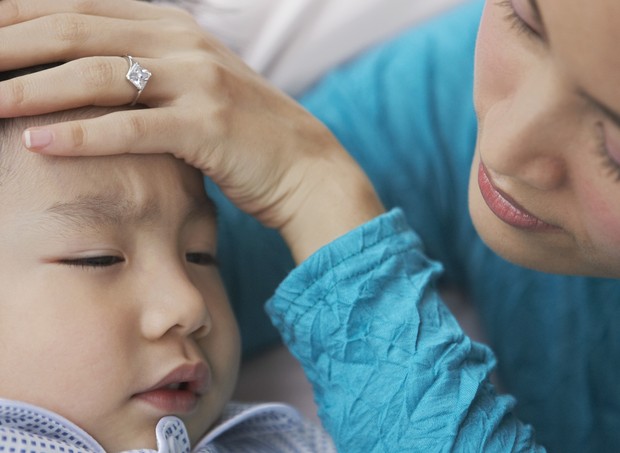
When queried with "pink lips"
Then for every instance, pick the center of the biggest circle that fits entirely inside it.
(507, 209)
(180, 391)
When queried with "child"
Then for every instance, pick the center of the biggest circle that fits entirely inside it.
(113, 318)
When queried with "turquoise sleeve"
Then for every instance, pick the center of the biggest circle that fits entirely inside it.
(391, 369)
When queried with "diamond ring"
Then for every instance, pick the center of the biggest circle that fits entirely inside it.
(137, 76)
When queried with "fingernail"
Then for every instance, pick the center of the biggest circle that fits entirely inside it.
(37, 138)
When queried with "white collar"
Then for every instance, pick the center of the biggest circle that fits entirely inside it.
(45, 431)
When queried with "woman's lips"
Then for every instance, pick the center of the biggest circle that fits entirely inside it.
(506, 209)
(180, 391)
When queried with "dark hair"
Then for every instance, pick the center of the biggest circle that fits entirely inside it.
(8, 75)
(8, 134)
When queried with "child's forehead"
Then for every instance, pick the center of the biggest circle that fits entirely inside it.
(96, 210)
(109, 190)
(147, 180)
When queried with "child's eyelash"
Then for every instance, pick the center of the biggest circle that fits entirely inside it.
(93, 261)
(516, 23)
(612, 167)
(201, 259)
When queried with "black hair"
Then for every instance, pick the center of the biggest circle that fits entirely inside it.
(8, 134)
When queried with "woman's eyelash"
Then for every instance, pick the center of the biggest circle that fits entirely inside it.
(515, 21)
(201, 259)
(93, 261)
(610, 164)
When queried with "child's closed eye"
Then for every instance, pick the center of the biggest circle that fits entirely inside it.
(201, 258)
(93, 261)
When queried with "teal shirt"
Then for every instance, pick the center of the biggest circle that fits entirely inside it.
(391, 369)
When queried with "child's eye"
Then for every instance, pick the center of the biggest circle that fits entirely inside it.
(516, 21)
(93, 261)
(201, 258)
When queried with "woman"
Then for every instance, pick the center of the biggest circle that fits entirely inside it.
(391, 369)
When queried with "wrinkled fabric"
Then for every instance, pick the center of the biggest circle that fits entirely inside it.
(405, 112)
(391, 368)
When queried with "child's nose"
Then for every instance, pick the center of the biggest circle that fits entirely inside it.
(174, 304)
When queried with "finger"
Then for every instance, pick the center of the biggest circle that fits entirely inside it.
(142, 131)
(99, 81)
(16, 11)
(65, 37)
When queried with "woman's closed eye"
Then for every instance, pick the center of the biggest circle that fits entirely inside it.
(609, 152)
(518, 19)
(93, 261)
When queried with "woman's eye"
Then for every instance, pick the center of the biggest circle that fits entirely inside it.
(610, 162)
(516, 20)
(93, 261)
(200, 258)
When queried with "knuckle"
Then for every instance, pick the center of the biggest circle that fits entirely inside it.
(99, 72)
(206, 73)
(14, 93)
(189, 36)
(68, 28)
(196, 39)
(78, 136)
(137, 128)
(221, 117)
(84, 6)
(218, 77)
(11, 11)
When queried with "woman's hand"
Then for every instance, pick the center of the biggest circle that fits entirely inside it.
(269, 156)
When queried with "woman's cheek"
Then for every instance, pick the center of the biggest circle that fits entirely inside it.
(498, 66)
(601, 219)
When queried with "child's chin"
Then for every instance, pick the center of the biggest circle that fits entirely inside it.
(143, 439)
(197, 426)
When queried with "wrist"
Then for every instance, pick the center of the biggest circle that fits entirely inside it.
(336, 198)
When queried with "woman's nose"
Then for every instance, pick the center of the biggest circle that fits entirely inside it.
(173, 304)
(528, 132)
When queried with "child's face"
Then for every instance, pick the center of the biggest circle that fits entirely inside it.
(545, 183)
(109, 298)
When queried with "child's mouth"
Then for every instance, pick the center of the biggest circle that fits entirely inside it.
(180, 391)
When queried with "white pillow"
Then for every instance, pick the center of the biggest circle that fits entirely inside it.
(293, 42)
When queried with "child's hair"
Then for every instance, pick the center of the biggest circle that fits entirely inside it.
(12, 128)
(9, 140)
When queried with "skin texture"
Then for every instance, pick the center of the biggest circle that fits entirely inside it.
(544, 143)
(84, 340)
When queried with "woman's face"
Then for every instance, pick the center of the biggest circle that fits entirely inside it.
(545, 181)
